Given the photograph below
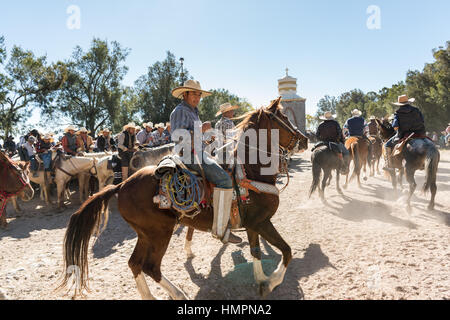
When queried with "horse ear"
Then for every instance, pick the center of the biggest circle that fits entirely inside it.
(274, 105)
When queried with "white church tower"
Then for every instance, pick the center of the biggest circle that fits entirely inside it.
(294, 105)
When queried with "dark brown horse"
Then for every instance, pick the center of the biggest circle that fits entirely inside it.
(419, 153)
(386, 132)
(14, 181)
(375, 156)
(154, 227)
(359, 152)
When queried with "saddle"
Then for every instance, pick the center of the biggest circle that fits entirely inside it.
(333, 146)
(397, 153)
(186, 192)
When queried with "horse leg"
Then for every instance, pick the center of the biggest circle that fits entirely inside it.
(61, 192)
(433, 189)
(188, 242)
(338, 187)
(326, 176)
(16, 205)
(268, 232)
(157, 246)
(255, 250)
(135, 263)
(412, 186)
(401, 173)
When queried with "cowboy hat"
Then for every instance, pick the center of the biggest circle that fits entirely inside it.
(47, 136)
(159, 125)
(148, 125)
(356, 113)
(190, 85)
(83, 130)
(130, 125)
(403, 100)
(372, 118)
(327, 116)
(225, 108)
(167, 124)
(71, 127)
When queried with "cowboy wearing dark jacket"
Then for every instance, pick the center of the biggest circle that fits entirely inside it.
(407, 120)
(330, 131)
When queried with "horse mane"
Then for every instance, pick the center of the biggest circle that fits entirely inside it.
(249, 119)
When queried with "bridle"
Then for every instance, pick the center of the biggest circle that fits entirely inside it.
(4, 196)
(293, 133)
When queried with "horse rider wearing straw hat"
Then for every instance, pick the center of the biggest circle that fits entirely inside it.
(85, 143)
(127, 147)
(186, 117)
(225, 123)
(407, 120)
(69, 140)
(158, 135)
(330, 131)
(356, 125)
(145, 137)
(105, 142)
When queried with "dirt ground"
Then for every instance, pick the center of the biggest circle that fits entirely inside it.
(363, 246)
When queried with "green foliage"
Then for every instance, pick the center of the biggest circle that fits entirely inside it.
(27, 82)
(430, 87)
(154, 89)
(209, 106)
(92, 94)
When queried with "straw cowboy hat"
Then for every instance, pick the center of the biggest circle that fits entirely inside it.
(83, 130)
(356, 113)
(403, 100)
(47, 136)
(225, 108)
(71, 127)
(372, 118)
(167, 124)
(190, 85)
(130, 125)
(159, 125)
(327, 116)
(148, 125)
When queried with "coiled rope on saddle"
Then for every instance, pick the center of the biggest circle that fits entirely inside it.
(184, 192)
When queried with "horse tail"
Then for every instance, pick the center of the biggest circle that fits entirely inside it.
(431, 167)
(91, 217)
(316, 169)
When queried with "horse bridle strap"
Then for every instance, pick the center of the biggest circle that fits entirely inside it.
(286, 126)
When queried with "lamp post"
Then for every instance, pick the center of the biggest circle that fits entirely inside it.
(182, 71)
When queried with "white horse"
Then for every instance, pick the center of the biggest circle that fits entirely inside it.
(102, 173)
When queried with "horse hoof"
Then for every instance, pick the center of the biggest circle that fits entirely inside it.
(264, 289)
(190, 256)
(430, 207)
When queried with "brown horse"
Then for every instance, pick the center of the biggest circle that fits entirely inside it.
(154, 227)
(377, 152)
(386, 132)
(359, 152)
(14, 181)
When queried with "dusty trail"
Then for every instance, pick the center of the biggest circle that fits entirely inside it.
(364, 246)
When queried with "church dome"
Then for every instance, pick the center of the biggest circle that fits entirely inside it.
(287, 87)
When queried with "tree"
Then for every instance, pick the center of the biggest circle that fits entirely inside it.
(209, 106)
(92, 94)
(128, 110)
(325, 104)
(28, 82)
(154, 89)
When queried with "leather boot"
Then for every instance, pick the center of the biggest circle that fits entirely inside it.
(388, 160)
(222, 199)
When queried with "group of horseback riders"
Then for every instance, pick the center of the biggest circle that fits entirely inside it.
(407, 120)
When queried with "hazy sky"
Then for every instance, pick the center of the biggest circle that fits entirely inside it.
(245, 46)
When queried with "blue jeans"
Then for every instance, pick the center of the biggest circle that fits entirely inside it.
(33, 163)
(390, 143)
(213, 172)
(46, 159)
